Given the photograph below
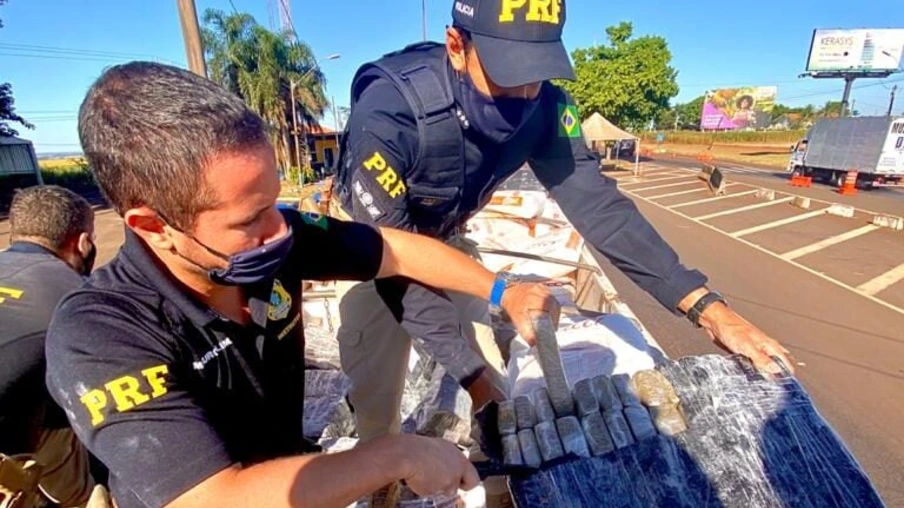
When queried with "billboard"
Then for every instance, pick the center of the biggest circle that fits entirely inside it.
(738, 108)
(865, 50)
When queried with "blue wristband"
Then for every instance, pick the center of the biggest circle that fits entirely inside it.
(499, 286)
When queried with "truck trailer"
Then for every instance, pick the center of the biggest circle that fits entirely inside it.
(872, 146)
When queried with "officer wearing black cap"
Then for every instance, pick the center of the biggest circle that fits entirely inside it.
(434, 129)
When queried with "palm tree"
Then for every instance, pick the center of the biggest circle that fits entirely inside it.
(261, 66)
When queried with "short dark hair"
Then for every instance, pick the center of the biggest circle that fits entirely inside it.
(148, 131)
(49, 213)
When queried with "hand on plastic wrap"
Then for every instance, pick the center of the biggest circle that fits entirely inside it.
(728, 329)
(523, 302)
(482, 390)
(435, 466)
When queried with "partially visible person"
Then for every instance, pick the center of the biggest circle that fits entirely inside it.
(51, 250)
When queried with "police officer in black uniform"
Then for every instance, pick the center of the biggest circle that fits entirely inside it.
(51, 250)
(181, 362)
(433, 131)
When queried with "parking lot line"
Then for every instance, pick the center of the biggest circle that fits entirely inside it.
(828, 242)
(744, 208)
(679, 193)
(639, 181)
(663, 186)
(780, 222)
(883, 281)
(710, 200)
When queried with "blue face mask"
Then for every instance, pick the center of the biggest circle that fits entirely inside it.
(496, 118)
(248, 266)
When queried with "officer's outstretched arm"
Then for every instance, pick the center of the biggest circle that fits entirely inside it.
(435, 264)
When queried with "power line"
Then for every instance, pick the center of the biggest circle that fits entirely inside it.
(62, 57)
(233, 7)
(74, 51)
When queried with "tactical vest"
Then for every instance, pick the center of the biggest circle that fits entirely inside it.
(436, 179)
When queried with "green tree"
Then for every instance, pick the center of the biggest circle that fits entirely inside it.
(629, 81)
(8, 108)
(269, 71)
(687, 114)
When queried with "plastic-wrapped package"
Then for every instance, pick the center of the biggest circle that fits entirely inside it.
(326, 412)
(321, 349)
(750, 441)
(434, 404)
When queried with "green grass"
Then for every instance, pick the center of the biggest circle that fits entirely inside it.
(71, 173)
(705, 138)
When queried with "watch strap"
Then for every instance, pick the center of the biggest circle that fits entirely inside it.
(693, 314)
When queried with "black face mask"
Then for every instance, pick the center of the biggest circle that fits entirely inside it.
(88, 260)
(497, 118)
(249, 266)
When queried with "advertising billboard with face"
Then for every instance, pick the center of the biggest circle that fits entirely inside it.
(863, 50)
(738, 108)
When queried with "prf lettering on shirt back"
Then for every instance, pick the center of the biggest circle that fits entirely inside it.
(126, 392)
(538, 11)
(388, 178)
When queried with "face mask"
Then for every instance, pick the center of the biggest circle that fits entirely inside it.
(88, 261)
(249, 266)
(499, 118)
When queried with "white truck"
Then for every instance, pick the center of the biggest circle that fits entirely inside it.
(873, 146)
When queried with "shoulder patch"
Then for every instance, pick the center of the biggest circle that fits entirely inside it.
(315, 219)
(569, 121)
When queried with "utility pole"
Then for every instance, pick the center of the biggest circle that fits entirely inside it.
(424, 19)
(891, 101)
(191, 34)
(677, 118)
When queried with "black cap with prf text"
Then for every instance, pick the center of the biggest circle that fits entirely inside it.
(518, 41)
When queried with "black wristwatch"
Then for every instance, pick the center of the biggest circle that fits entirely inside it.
(693, 314)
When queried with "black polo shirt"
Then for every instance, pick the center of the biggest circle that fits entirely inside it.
(32, 282)
(165, 391)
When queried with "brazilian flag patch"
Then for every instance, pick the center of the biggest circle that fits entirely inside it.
(569, 124)
(314, 219)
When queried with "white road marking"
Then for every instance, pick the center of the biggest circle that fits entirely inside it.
(828, 242)
(640, 181)
(883, 281)
(780, 222)
(663, 186)
(744, 208)
(710, 200)
(768, 252)
(679, 193)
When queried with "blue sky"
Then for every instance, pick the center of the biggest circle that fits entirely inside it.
(713, 43)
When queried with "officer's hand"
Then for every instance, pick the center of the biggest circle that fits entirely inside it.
(435, 466)
(482, 390)
(728, 329)
(522, 302)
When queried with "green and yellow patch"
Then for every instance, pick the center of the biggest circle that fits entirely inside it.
(569, 121)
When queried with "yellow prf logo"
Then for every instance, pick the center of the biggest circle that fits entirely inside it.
(10, 292)
(126, 392)
(538, 11)
(388, 178)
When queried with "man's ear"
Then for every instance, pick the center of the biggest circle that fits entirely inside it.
(84, 244)
(145, 223)
(456, 48)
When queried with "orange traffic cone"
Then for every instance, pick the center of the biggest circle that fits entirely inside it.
(849, 188)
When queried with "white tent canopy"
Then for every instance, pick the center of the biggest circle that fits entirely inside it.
(597, 128)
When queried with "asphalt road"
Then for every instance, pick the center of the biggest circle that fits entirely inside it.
(850, 342)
